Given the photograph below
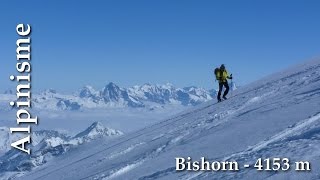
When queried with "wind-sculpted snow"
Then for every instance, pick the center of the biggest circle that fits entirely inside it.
(277, 116)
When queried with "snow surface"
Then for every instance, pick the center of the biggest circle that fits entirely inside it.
(278, 116)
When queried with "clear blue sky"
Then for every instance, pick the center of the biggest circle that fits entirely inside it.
(75, 43)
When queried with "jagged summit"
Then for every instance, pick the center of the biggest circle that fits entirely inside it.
(112, 93)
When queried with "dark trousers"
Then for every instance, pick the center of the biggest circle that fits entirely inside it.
(221, 84)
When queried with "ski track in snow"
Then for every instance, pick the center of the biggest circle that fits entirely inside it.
(125, 151)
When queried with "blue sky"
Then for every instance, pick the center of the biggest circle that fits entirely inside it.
(132, 42)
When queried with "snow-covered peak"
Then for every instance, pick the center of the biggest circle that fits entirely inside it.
(88, 92)
(111, 92)
(147, 87)
(167, 86)
(38, 136)
(196, 91)
(112, 86)
(97, 130)
(47, 144)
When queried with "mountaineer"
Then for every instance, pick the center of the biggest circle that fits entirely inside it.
(222, 76)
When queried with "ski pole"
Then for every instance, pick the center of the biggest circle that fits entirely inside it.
(231, 86)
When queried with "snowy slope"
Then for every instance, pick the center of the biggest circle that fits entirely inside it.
(278, 116)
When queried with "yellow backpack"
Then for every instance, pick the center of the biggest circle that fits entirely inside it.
(217, 72)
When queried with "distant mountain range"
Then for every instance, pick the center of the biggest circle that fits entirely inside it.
(47, 144)
(145, 96)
